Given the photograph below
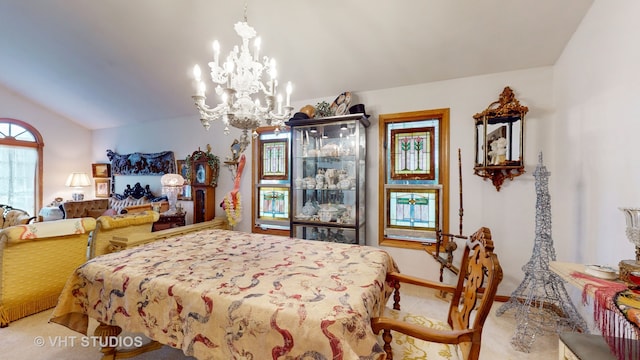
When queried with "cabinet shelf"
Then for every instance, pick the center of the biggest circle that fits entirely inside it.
(328, 179)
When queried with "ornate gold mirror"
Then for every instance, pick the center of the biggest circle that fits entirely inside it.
(500, 139)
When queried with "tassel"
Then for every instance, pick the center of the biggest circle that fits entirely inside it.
(4, 318)
(18, 311)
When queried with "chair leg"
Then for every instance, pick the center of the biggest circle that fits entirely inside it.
(396, 295)
(386, 337)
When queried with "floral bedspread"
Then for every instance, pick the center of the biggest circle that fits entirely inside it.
(219, 294)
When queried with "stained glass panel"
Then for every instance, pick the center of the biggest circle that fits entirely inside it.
(412, 153)
(274, 159)
(274, 203)
(415, 209)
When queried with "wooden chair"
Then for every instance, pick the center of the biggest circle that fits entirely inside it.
(460, 337)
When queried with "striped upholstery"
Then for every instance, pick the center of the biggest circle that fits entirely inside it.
(109, 226)
(33, 271)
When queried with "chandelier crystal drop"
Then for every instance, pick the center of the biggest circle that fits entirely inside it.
(239, 82)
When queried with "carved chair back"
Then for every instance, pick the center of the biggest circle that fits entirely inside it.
(480, 274)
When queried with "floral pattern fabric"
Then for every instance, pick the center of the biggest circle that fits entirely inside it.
(219, 294)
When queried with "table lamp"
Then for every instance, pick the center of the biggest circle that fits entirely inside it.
(632, 217)
(172, 185)
(77, 181)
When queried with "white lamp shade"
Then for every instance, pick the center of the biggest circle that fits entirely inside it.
(172, 180)
(78, 179)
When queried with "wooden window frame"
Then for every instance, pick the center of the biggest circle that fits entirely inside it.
(256, 182)
(441, 162)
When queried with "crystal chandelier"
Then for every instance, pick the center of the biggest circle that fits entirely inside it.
(239, 79)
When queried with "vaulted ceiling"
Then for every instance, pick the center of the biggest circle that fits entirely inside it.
(116, 62)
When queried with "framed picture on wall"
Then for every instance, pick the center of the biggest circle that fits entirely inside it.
(101, 171)
(103, 187)
(183, 169)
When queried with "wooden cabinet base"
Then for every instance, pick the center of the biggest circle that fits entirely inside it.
(169, 221)
(575, 346)
(107, 332)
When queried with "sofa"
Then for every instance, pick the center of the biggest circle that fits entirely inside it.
(84, 208)
(109, 226)
(10, 216)
(35, 262)
(133, 199)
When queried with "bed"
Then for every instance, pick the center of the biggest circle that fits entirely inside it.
(219, 294)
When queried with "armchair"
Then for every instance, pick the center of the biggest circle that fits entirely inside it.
(473, 295)
(10, 216)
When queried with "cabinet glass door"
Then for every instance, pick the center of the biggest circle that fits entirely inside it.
(328, 185)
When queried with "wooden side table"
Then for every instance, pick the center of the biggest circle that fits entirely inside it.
(168, 221)
(575, 346)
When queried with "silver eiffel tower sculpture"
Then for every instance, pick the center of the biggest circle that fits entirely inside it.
(541, 301)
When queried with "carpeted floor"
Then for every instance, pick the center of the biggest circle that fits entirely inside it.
(21, 340)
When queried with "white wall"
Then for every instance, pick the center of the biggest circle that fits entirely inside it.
(64, 151)
(582, 116)
(595, 135)
(509, 213)
(183, 136)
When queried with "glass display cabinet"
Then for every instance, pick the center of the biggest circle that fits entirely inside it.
(328, 159)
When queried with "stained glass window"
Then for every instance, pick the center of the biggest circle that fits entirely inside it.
(274, 203)
(412, 155)
(274, 159)
(415, 209)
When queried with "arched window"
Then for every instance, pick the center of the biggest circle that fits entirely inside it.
(21, 165)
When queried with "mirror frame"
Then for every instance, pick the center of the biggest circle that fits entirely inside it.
(506, 111)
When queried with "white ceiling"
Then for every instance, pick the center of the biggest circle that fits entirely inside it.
(114, 62)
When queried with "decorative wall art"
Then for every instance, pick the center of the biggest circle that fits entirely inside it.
(142, 164)
(103, 187)
(413, 155)
(499, 139)
(102, 171)
(183, 169)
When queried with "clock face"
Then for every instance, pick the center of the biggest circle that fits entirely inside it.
(200, 174)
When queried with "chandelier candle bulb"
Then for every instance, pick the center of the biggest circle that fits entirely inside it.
(280, 103)
(216, 51)
(289, 90)
(256, 43)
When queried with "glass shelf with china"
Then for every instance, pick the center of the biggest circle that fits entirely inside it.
(328, 178)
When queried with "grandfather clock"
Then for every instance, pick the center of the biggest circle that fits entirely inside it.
(203, 169)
